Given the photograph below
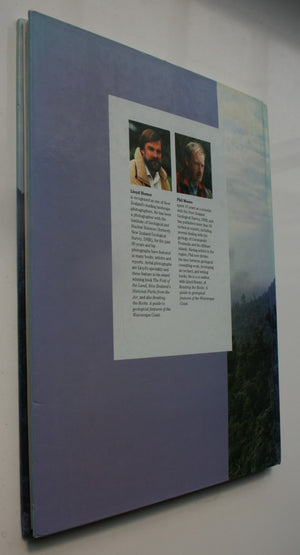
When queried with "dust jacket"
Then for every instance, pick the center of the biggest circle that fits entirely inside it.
(147, 310)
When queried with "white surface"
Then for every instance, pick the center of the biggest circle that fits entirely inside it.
(208, 322)
(254, 47)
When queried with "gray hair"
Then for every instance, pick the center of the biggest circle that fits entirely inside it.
(191, 147)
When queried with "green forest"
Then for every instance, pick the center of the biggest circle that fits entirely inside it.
(253, 403)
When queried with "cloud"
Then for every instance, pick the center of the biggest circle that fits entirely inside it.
(243, 122)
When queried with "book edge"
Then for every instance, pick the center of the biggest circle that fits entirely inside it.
(21, 257)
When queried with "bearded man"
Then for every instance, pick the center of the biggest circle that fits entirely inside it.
(146, 168)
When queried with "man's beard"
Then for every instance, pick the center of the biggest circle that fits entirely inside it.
(153, 165)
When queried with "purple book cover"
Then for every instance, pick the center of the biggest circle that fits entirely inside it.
(151, 311)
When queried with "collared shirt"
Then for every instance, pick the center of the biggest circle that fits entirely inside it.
(138, 174)
(153, 181)
(193, 188)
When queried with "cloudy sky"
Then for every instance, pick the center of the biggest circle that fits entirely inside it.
(243, 120)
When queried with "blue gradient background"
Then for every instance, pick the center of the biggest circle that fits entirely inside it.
(106, 436)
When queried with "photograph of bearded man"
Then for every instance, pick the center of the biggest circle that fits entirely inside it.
(146, 166)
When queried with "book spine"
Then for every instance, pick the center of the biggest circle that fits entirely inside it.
(21, 179)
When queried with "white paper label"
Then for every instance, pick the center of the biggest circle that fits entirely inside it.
(171, 283)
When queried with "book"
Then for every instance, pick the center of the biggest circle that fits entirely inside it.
(147, 306)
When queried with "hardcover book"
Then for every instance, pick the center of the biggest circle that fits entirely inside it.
(147, 309)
